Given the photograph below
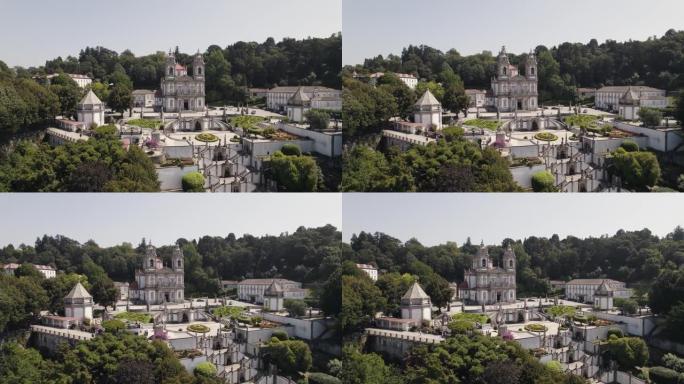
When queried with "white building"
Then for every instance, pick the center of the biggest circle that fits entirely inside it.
(278, 97)
(82, 80)
(603, 297)
(632, 101)
(181, 92)
(123, 288)
(47, 271)
(297, 106)
(408, 79)
(156, 283)
(486, 284)
(608, 98)
(583, 290)
(90, 111)
(476, 97)
(416, 304)
(512, 91)
(370, 270)
(252, 290)
(143, 98)
(78, 303)
(428, 111)
(274, 297)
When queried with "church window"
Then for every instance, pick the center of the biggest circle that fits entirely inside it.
(199, 70)
(504, 70)
(151, 263)
(179, 263)
(484, 263)
(532, 71)
(510, 263)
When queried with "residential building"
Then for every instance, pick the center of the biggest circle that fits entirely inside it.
(47, 271)
(632, 101)
(252, 290)
(370, 270)
(608, 98)
(278, 97)
(583, 290)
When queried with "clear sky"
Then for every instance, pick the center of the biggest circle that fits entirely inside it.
(386, 26)
(33, 31)
(163, 217)
(438, 218)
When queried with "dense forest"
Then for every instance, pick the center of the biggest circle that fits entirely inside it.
(635, 257)
(656, 62)
(308, 255)
(229, 70)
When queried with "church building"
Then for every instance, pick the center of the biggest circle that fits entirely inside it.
(156, 283)
(181, 92)
(512, 91)
(486, 284)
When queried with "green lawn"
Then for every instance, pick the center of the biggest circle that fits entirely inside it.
(246, 121)
(134, 316)
(561, 310)
(474, 317)
(145, 123)
(582, 121)
(491, 125)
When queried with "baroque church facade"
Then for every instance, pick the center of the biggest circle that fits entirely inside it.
(156, 283)
(487, 284)
(512, 91)
(180, 91)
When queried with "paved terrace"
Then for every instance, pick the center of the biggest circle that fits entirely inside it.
(417, 337)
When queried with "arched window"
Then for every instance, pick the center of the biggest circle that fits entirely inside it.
(151, 263)
(504, 70)
(199, 70)
(484, 263)
(179, 263)
(532, 71)
(510, 263)
(170, 71)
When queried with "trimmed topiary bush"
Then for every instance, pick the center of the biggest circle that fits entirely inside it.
(199, 328)
(546, 136)
(543, 181)
(662, 375)
(536, 327)
(280, 335)
(630, 146)
(206, 137)
(291, 150)
(193, 182)
(205, 369)
(615, 331)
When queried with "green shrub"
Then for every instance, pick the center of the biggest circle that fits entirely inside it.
(280, 335)
(543, 181)
(193, 182)
(615, 331)
(113, 326)
(322, 378)
(536, 327)
(291, 150)
(205, 369)
(554, 366)
(140, 317)
(105, 131)
(462, 326)
(662, 375)
(630, 146)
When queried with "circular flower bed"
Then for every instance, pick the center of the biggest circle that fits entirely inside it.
(546, 136)
(535, 327)
(206, 137)
(199, 328)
